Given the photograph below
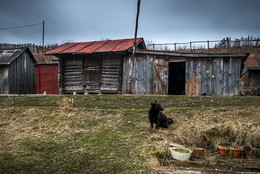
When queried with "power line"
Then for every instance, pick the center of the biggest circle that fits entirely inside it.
(20, 26)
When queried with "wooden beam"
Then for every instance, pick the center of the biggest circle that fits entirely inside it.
(190, 55)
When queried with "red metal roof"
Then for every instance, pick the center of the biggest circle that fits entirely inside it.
(95, 47)
(253, 61)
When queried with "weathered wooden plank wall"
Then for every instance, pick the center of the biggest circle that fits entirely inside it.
(111, 75)
(218, 76)
(22, 75)
(91, 74)
(125, 76)
(71, 74)
(142, 77)
(254, 78)
(160, 77)
(4, 85)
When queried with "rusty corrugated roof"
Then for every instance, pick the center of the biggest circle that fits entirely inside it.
(253, 61)
(10, 54)
(95, 47)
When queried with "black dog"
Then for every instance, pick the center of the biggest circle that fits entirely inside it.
(157, 117)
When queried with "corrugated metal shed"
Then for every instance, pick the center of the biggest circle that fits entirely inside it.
(9, 55)
(17, 71)
(95, 47)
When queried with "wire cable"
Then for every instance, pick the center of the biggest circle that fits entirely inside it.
(20, 26)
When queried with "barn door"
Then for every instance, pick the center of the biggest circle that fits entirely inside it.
(92, 72)
(176, 78)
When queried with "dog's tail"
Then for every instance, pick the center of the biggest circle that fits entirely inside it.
(170, 121)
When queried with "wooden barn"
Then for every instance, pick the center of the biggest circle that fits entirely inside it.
(104, 66)
(93, 67)
(17, 71)
(195, 74)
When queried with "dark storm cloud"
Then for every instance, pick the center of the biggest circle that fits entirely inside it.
(160, 20)
(202, 19)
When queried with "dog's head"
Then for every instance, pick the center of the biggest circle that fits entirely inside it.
(156, 106)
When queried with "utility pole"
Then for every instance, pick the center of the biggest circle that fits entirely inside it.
(42, 39)
(42, 34)
(134, 48)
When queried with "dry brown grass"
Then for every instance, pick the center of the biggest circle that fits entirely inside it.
(66, 104)
(119, 139)
(210, 128)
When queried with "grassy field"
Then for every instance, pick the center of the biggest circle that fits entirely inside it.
(111, 133)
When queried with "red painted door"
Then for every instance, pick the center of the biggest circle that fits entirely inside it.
(47, 79)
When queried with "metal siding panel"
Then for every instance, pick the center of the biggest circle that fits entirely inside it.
(149, 74)
(203, 77)
(19, 75)
(226, 77)
(191, 78)
(219, 77)
(187, 84)
(134, 76)
(161, 80)
(213, 78)
(199, 76)
(208, 78)
(237, 76)
(231, 76)
(126, 67)
(196, 78)
(4, 83)
(26, 86)
(142, 75)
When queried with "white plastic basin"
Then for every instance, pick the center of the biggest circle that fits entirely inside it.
(182, 156)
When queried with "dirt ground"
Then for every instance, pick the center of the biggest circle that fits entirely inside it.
(213, 163)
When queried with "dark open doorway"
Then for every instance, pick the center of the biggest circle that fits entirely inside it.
(176, 78)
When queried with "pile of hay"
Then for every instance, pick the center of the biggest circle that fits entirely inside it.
(214, 127)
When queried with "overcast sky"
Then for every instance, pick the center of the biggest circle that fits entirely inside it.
(160, 21)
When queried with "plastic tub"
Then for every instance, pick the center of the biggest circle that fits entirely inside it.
(229, 151)
(182, 156)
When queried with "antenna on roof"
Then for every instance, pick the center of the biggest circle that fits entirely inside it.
(134, 48)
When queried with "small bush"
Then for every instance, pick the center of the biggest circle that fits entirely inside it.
(66, 104)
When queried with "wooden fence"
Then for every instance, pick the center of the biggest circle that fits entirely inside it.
(224, 43)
